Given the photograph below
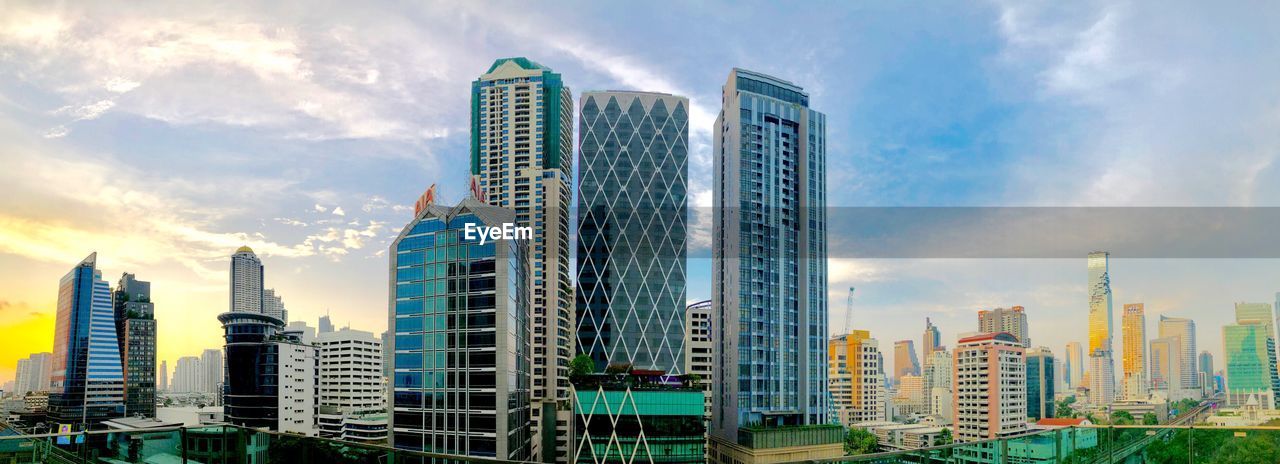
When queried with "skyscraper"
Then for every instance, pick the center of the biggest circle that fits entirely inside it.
(246, 281)
(633, 162)
(136, 326)
(857, 382)
(1166, 367)
(904, 359)
(1206, 370)
(1245, 348)
(325, 325)
(1133, 327)
(32, 373)
(932, 339)
(769, 268)
(990, 387)
(211, 371)
(937, 379)
(1040, 383)
(273, 305)
(522, 158)
(1101, 364)
(1010, 320)
(1261, 313)
(1185, 331)
(1074, 365)
(464, 387)
(87, 378)
(187, 375)
(163, 383)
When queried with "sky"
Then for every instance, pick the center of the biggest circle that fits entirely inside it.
(165, 135)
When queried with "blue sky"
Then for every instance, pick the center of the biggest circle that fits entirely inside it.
(165, 135)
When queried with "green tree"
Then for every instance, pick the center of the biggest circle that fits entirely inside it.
(1063, 408)
(1252, 449)
(581, 366)
(860, 441)
(1150, 419)
(1121, 418)
(944, 438)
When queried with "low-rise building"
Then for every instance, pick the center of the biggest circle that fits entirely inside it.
(1140, 408)
(641, 417)
(777, 445)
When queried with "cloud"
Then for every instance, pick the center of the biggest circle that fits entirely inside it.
(339, 212)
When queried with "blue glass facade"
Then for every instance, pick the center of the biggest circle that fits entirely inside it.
(632, 204)
(87, 382)
(1040, 384)
(769, 257)
(459, 318)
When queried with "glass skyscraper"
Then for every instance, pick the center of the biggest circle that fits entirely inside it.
(1102, 374)
(459, 317)
(522, 158)
(87, 379)
(769, 249)
(1040, 383)
(136, 328)
(632, 203)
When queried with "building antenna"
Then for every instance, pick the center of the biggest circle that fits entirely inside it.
(848, 314)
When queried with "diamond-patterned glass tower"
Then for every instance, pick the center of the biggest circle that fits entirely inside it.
(632, 204)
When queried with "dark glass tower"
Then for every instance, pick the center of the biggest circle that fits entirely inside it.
(251, 388)
(1040, 384)
(87, 382)
(136, 325)
(459, 317)
(632, 203)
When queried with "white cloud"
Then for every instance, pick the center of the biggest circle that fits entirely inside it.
(339, 212)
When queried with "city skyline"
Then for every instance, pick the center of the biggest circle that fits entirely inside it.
(308, 171)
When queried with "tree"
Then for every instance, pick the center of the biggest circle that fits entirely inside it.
(581, 366)
(1121, 418)
(1063, 408)
(860, 441)
(1150, 419)
(944, 438)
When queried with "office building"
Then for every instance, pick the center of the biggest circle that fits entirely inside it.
(1040, 383)
(697, 347)
(187, 375)
(1166, 367)
(32, 374)
(659, 423)
(932, 339)
(1133, 327)
(856, 379)
(1246, 361)
(1101, 364)
(769, 267)
(632, 204)
(1185, 330)
(325, 325)
(352, 401)
(990, 387)
(246, 281)
(1009, 320)
(937, 379)
(86, 375)
(460, 387)
(904, 359)
(136, 326)
(910, 396)
(1206, 371)
(522, 158)
(297, 380)
(273, 305)
(1261, 313)
(211, 371)
(1074, 365)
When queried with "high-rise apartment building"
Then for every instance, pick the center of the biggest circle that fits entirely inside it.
(1074, 365)
(904, 359)
(1133, 327)
(937, 375)
(1009, 320)
(1101, 364)
(697, 347)
(459, 314)
(211, 371)
(932, 339)
(1040, 383)
(246, 281)
(352, 402)
(163, 383)
(910, 397)
(187, 375)
(856, 379)
(769, 247)
(136, 327)
(522, 158)
(87, 378)
(32, 374)
(990, 378)
(273, 305)
(296, 380)
(1185, 330)
(632, 204)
